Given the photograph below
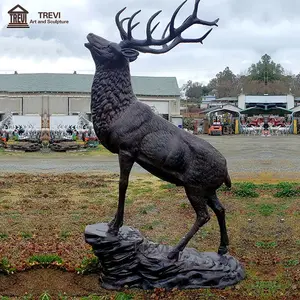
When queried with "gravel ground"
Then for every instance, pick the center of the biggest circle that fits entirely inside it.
(246, 156)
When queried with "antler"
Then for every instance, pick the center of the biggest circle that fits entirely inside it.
(174, 33)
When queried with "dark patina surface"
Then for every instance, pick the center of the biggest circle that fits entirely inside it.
(131, 129)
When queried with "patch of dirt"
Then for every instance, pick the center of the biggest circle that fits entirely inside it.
(36, 282)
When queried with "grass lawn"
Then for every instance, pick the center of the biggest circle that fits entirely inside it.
(99, 150)
(42, 221)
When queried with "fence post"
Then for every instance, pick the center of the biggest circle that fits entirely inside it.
(236, 126)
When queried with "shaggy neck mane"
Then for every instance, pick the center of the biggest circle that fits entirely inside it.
(111, 94)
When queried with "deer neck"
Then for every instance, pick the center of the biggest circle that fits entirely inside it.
(111, 94)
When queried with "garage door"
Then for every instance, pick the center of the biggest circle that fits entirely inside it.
(80, 104)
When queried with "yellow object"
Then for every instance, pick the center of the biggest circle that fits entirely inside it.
(236, 131)
(295, 126)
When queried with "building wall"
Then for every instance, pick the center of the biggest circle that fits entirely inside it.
(58, 105)
(290, 101)
(10, 104)
(32, 105)
(167, 105)
(161, 106)
(175, 110)
(80, 104)
(242, 101)
(48, 103)
(64, 104)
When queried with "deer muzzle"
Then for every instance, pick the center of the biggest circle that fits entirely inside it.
(95, 41)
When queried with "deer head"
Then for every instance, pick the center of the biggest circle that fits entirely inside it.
(128, 49)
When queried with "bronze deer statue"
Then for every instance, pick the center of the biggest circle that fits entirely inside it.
(131, 129)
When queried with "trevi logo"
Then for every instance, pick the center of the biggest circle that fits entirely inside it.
(18, 18)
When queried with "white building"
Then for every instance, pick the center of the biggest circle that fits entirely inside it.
(284, 101)
(265, 101)
(69, 94)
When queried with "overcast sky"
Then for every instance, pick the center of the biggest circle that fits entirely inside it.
(247, 30)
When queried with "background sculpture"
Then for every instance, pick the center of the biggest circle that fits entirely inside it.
(131, 129)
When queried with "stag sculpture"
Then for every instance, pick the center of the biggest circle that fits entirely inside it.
(131, 129)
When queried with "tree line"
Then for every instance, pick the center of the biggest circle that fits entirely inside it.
(264, 77)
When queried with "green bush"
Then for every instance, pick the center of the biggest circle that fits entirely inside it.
(188, 123)
(88, 265)
(245, 189)
(5, 266)
(286, 189)
(123, 296)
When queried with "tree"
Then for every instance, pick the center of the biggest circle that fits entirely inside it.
(264, 77)
(225, 83)
(226, 75)
(295, 85)
(194, 91)
(266, 70)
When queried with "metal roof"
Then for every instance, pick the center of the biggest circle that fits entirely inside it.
(226, 99)
(295, 109)
(266, 99)
(272, 111)
(208, 98)
(208, 110)
(81, 83)
(229, 108)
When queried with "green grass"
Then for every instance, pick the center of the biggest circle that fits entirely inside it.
(88, 265)
(99, 150)
(3, 236)
(168, 186)
(287, 189)
(5, 266)
(245, 189)
(251, 190)
(267, 288)
(267, 244)
(266, 209)
(123, 296)
(291, 263)
(45, 259)
(64, 234)
(26, 235)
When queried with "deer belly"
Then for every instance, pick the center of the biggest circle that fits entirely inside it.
(165, 174)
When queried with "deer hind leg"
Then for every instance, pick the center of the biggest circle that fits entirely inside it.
(126, 162)
(198, 202)
(214, 203)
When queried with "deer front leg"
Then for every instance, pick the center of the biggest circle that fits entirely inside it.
(126, 162)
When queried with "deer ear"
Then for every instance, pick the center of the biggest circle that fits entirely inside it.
(131, 54)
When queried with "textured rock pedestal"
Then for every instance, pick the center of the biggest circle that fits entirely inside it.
(131, 260)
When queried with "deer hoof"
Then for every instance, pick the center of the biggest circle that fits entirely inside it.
(173, 255)
(113, 228)
(222, 250)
